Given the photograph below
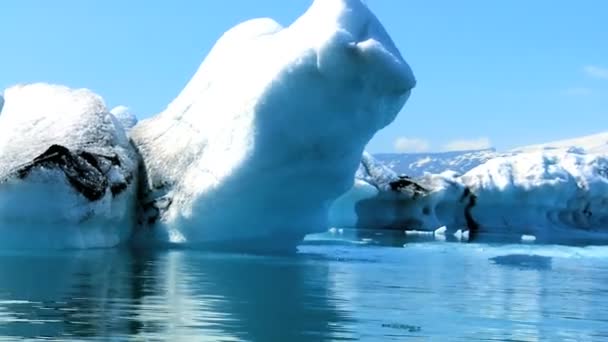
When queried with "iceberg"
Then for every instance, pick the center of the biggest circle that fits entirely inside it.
(552, 195)
(270, 129)
(1, 103)
(68, 172)
(547, 193)
(380, 199)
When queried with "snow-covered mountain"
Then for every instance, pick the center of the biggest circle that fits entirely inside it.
(596, 143)
(416, 164)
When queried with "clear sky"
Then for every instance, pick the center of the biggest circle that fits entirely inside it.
(499, 73)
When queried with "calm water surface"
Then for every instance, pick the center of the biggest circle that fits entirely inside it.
(377, 288)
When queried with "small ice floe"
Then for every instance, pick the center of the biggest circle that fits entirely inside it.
(528, 238)
(441, 231)
(419, 233)
(461, 235)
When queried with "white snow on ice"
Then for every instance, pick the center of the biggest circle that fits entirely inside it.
(552, 191)
(544, 193)
(42, 209)
(123, 114)
(417, 164)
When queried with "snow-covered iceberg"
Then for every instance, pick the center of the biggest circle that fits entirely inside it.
(123, 114)
(380, 199)
(556, 195)
(555, 192)
(552, 195)
(271, 128)
(67, 170)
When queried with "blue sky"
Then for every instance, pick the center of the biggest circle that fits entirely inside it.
(498, 73)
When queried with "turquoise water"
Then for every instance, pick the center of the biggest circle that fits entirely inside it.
(337, 287)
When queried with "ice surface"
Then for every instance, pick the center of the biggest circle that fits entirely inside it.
(67, 170)
(1, 103)
(553, 192)
(123, 114)
(547, 194)
(271, 128)
(374, 172)
(380, 199)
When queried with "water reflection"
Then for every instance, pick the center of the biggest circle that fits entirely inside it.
(360, 288)
(174, 294)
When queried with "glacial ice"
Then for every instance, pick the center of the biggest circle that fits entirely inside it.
(123, 114)
(553, 192)
(271, 128)
(380, 199)
(548, 194)
(67, 170)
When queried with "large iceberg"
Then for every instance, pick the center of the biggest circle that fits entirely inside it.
(271, 128)
(555, 192)
(68, 172)
(552, 195)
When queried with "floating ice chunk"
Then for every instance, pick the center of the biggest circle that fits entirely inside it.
(271, 128)
(549, 194)
(440, 238)
(419, 233)
(462, 235)
(441, 231)
(528, 238)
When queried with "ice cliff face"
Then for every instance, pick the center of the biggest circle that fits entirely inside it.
(379, 199)
(271, 128)
(67, 170)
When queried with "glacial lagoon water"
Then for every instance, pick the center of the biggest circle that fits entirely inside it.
(338, 287)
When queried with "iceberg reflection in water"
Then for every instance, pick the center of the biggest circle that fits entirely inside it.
(355, 288)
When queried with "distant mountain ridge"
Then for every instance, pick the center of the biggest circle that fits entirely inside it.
(416, 164)
(595, 143)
